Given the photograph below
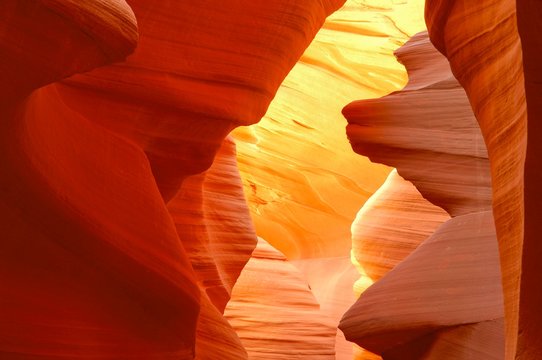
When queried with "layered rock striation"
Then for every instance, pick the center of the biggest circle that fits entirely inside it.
(495, 86)
(272, 305)
(114, 246)
(391, 225)
(303, 183)
(444, 300)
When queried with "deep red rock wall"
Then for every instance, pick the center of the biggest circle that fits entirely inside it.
(113, 245)
(529, 19)
(200, 69)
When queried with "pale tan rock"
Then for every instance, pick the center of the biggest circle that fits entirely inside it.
(274, 312)
(391, 224)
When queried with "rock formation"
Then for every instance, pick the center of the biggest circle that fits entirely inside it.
(495, 86)
(303, 183)
(391, 225)
(272, 304)
(125, 231)
(97, 259)
(409, 313)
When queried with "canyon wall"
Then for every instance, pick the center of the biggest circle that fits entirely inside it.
(443, 300)
(503, 90)
(303, 183)
(120, 239)
(124, 224)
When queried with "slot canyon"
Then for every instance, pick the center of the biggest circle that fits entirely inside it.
(260, 180)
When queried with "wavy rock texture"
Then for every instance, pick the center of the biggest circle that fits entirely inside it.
(444, 156)
(213, 221)
(330, 280)
(272, 305)
(201, 69)
(83, 275)
(440, 285)
(391, 225)
(83, 271)
(495, 86)
(303, 183)
(94, 263)
(409, 313)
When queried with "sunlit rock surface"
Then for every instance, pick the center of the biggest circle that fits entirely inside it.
(331, 280)
(303, 183)
(436, 144)
(275, 313)
(124, 228)
(452, 280)
(394, 221)
(440, 285)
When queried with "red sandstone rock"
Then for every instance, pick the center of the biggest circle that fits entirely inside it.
(43, 41)
(216, 339)
(200, 69)
(93, 261)
(212, 219)
(530, 318)
(83, 274)
(495, 86)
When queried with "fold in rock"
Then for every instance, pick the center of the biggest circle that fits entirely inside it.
(481, 41)
(93, 263)
(443, 301)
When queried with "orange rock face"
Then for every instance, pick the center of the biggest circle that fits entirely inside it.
(496, 90)
(212, 219)
(114, 247)
(199, 70)
(125, 232)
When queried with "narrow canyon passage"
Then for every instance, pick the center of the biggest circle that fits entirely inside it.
(259, 180)
(304, 184)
